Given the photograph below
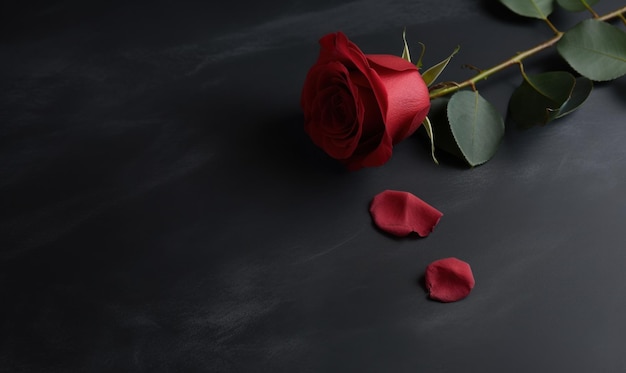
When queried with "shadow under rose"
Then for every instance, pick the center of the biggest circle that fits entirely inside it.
(282, 148)
(445, 159)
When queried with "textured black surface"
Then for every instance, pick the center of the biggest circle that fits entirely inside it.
(162, 209)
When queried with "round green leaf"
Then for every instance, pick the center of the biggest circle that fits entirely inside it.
(539, 97)
(530, 8)
(476, 126)
(575, 5)
(581, 91)
(544, 97)
(595, 49)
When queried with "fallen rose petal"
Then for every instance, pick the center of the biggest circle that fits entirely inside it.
(449, 280)
(401, 213)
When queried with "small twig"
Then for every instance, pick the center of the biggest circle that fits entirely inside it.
(552, 27)
(590, 9)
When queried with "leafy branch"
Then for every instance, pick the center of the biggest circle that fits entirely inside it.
(465, 124)
(518, 58)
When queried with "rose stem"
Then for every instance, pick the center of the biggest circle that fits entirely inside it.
(516, 59)
(552, 27)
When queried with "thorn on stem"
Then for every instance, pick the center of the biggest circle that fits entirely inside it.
(472, 67)
(443, 85)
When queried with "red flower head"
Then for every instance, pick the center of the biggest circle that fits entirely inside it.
(357, 106)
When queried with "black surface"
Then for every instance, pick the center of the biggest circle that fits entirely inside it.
(162, 209)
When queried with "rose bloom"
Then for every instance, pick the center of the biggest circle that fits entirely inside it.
(357, 106)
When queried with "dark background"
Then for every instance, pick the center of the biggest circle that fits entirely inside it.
(163, 210)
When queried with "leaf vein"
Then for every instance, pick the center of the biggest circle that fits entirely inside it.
(605, 54)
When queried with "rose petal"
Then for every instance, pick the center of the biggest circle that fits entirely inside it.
(401, 213)
(337, 47)
(407, 95)
(392, 62)
(334, 114)
(449, 280)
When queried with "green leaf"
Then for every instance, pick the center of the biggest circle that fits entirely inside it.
(538, 98)
(429, 130)
(407, 55)
(419, 60)
(530, 8)
(595, 49)
(582, 89)
(405, 51)
(476, 126)
(433, 73)
(544, 97)
(576, 5)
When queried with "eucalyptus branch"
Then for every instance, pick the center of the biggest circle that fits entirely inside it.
(517, 59)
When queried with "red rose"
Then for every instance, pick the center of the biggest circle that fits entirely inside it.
(357, 106)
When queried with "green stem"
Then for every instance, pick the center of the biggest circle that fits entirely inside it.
(552, 27)
(618, 13)
(517, 59)
(486, 73)
(590, 9)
